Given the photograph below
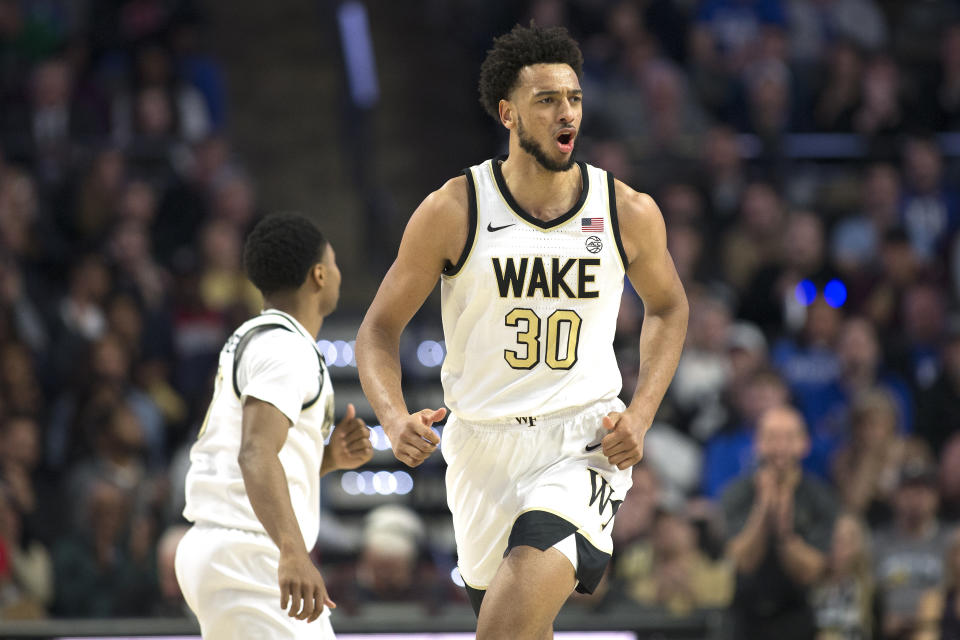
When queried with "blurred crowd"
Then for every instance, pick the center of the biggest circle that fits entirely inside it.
(804, 469)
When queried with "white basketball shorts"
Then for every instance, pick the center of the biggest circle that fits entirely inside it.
(229, 579)
(541, 481)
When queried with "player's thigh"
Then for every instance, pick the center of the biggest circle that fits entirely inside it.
(526, 594)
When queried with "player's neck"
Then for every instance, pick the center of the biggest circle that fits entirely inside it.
(543, 193)
(304, 311)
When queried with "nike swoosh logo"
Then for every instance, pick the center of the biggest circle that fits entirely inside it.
(490, 226)
(591, 447)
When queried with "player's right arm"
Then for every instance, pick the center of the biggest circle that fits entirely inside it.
(435, 236)
(263, 433)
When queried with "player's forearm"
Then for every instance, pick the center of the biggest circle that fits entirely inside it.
(269, 496)
(661, 341)
(378, 364)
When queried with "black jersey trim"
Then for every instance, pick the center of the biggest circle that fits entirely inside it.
(615, 220)
(476, 598)
(542, 530)
(523, 214)
(245, 340)
(451, 270)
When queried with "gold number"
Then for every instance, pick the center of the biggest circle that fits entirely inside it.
(529, 337)
(555, 323)
(559, 321)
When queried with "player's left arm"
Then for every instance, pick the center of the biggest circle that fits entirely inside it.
(654, 277)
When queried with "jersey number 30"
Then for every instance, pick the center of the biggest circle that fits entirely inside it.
(562, 338)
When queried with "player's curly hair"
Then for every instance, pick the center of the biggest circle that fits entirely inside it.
(522, 47)
(280, 251)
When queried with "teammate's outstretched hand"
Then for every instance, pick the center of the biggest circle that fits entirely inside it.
(412, 438)
(623, 444)
(302, 586)
(350, 444)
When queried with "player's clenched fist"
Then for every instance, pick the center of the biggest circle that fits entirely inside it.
(412, 438)
(349, 445)
(623, 444)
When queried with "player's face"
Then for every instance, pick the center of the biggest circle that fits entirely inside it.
(548, 108)
(330, 294)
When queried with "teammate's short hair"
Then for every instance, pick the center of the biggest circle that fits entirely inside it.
(522, 47)
(281, 250)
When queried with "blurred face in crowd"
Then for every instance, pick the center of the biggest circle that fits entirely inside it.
(803, 241)
(722, 152)
(953, 560)
(822, 323)
(876, 421)
(673, 535)
(761, 211)
(91, 280)
(709, 324)
(949, 475)
(924, 313)
(154, 115)
(110, 360)
(222, 246)
(20, 442)
(125, 320)
(915, 504)
(51, 84)
(881, 194)
(924, 165)
(857, 348)
(138, 202)
(233, 200)
(782, 439)
(685, 244)
(763, 393)
(900, 263)
(848, 545)
(951, 358)
(124, 432)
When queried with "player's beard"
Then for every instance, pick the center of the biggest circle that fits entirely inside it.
(533, 147)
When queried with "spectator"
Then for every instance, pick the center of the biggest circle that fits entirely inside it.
(170, 604)
(938, 612)
(860, 370)
(866, 470)
(929, 211)
(671, 573)
(735, 27)
(26, 571)
(950, 478)
(635, 517)
(908, 555)
(840, 95)
(855, 241)
(755, 240)
(947, 91)
(730, 453)
(779, 523)
(105, 568)
(843, 599)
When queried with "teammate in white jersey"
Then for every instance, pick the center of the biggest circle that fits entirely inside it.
(531, 251)
(253, 487)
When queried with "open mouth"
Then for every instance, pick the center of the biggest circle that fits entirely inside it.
(565, 140)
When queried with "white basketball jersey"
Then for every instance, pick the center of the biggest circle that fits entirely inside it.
(272, 358)
(530, 308)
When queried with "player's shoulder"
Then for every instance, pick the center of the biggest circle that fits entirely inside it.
(452, 196)
(634, 205)
(281, 343)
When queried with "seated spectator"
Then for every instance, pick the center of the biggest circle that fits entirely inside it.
(779, 521)
(939, 404)
(635, 517)
(930, 209)
(730, 452)
(105, 568)
(866, 470)
(908, 555)
(26, 571)
(843, 599)
(671, 573)
(938, 612)
(391, 566)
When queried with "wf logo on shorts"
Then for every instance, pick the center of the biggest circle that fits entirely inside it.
(601, 492)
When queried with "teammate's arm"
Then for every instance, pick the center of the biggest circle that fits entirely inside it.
(654, 277)
(264, 431)
(435, 235)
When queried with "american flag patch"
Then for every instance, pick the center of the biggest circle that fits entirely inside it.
(591, 224)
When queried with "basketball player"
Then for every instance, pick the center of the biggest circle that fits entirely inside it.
(531, 250)
(253, 487)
